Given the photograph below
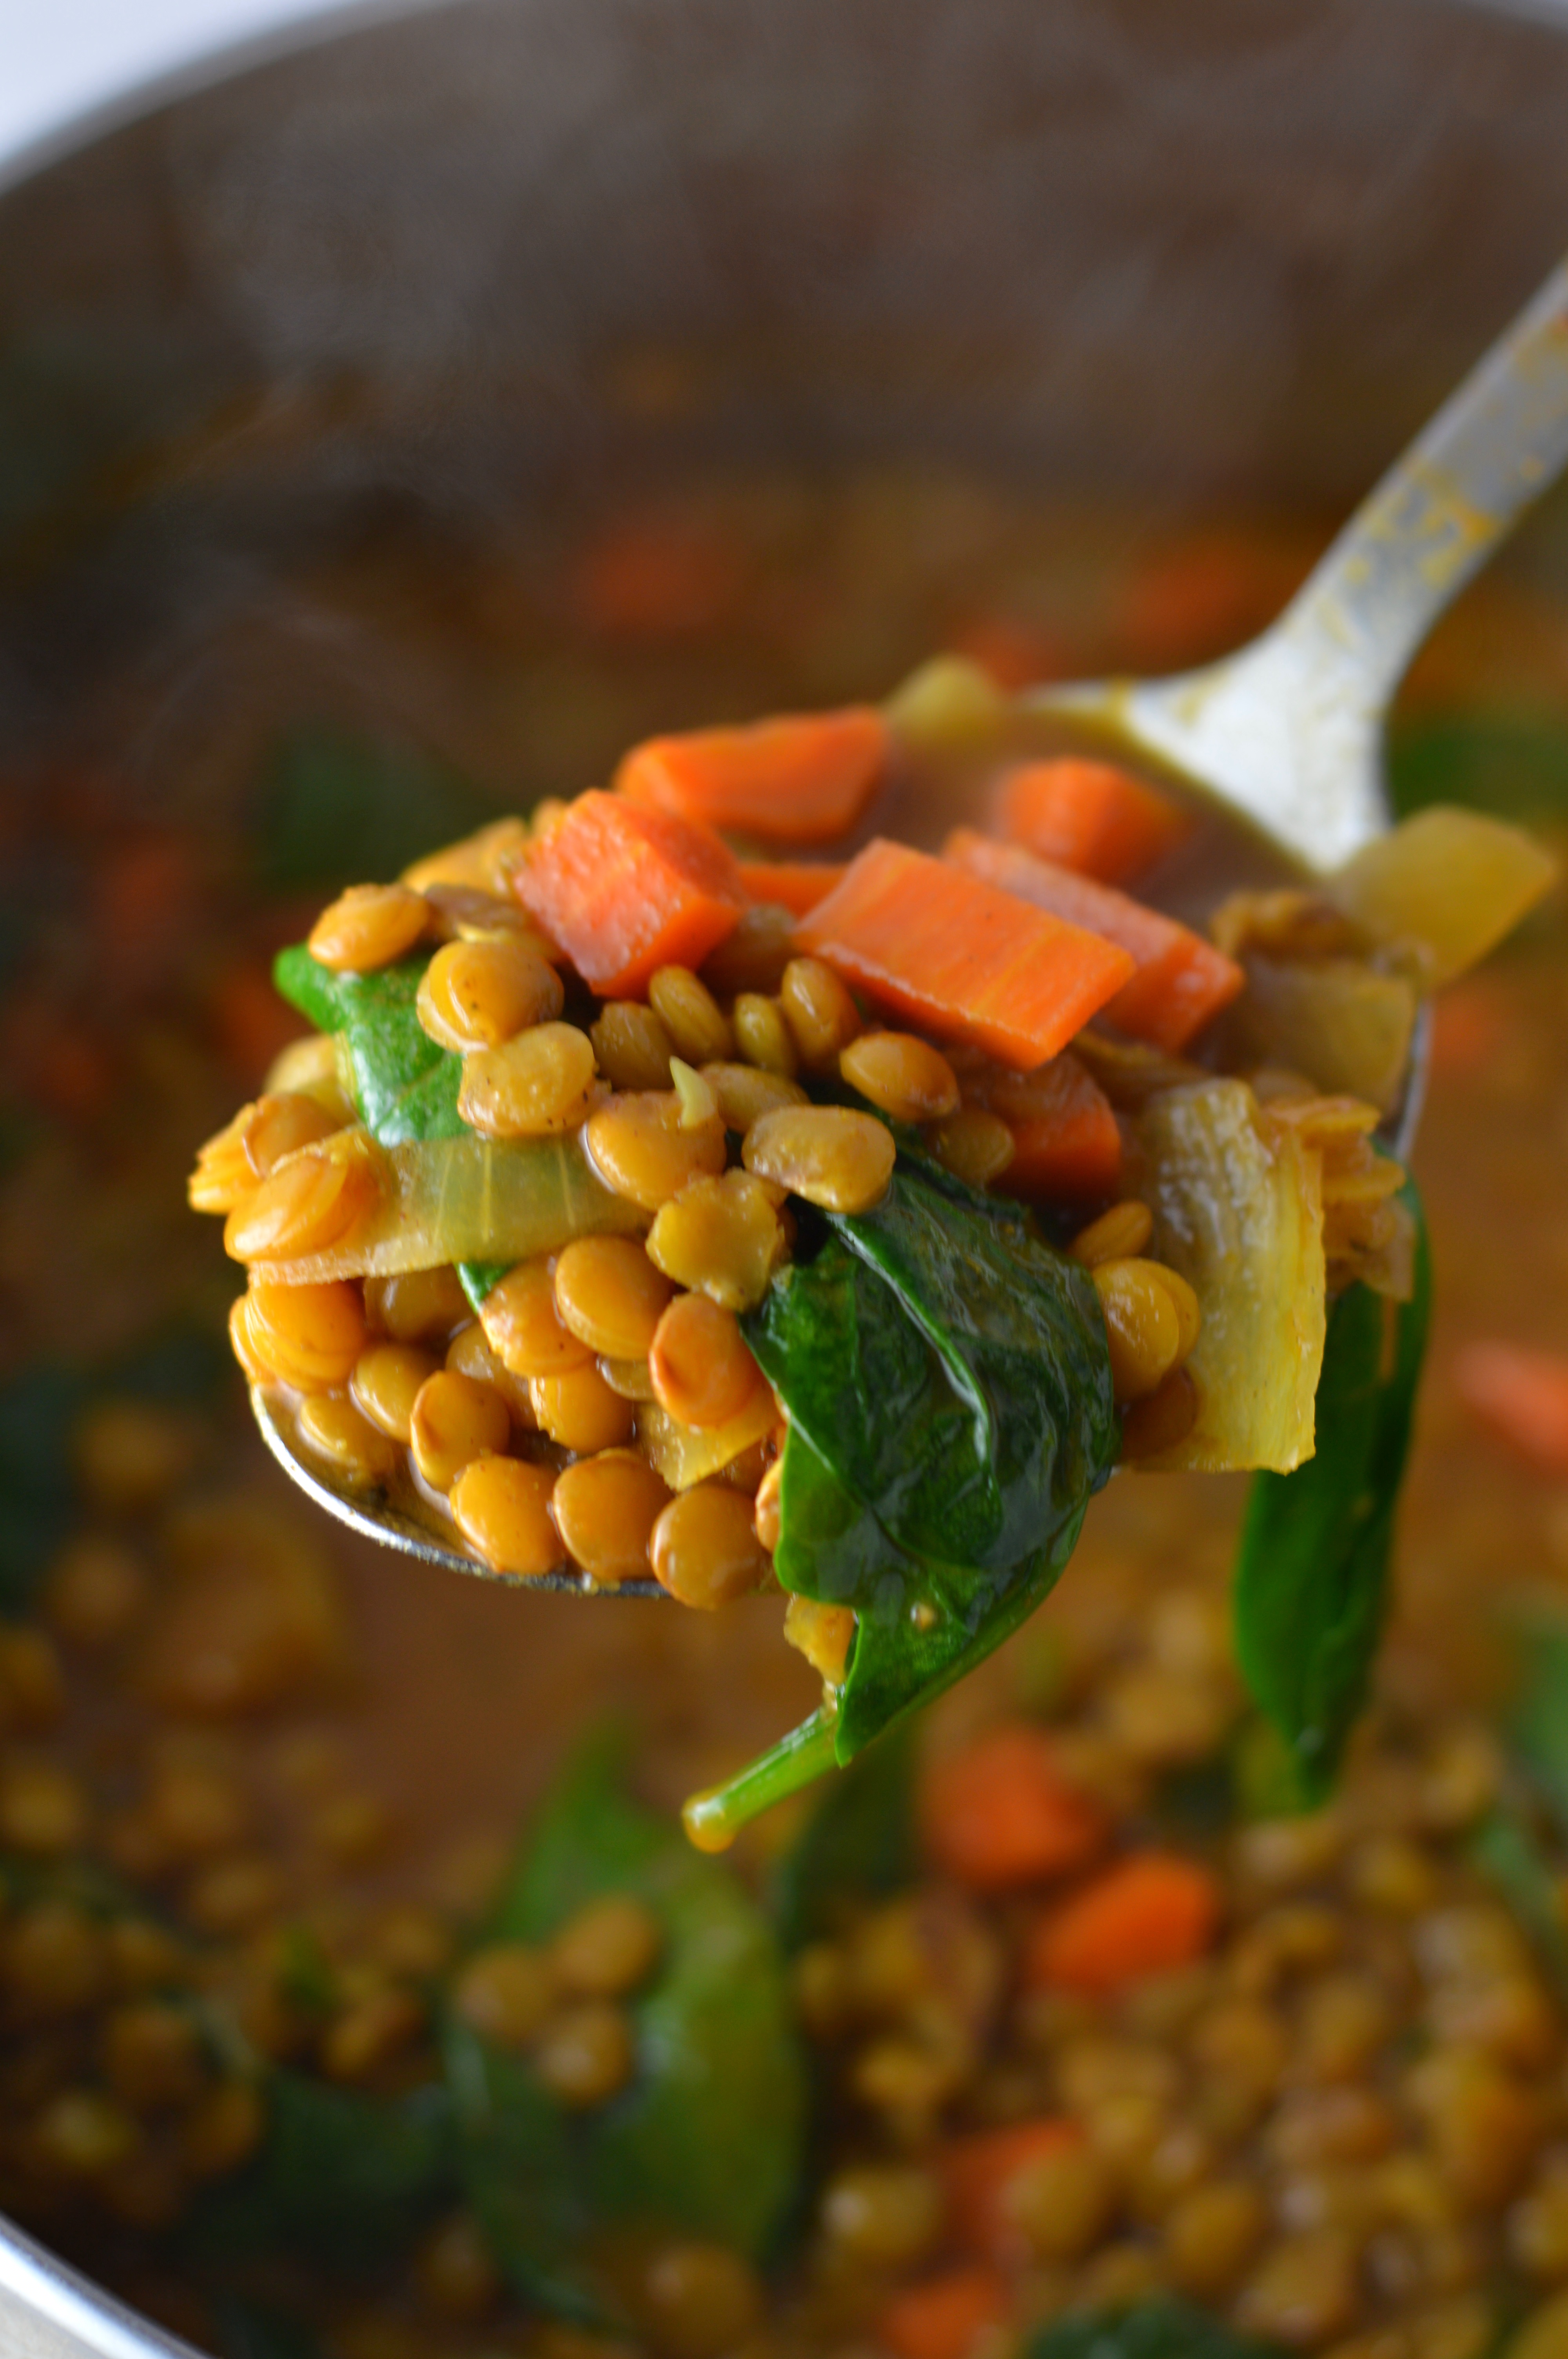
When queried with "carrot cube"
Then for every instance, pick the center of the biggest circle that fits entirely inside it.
(1090, 817)
(625, 891)
(802, 780)
(1179, 982)
(961, 958)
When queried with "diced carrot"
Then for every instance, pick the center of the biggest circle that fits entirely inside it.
(978, 2172)
(961, 958)
(802, 779)
(1522, 1396)
(1181, 982)
(945, 2317)
(1208, 592)
(625, 891)
(999, 1813)
(1066, 1141)
(1471, 1022)
(1148, 1915)
(1091, 817)
(797, 885)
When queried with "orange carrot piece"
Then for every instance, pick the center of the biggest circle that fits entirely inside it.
(1148, 1915)
(1066, 1141)
(961, 959)
(999, 1813)
(1181, 982)
(797, 885)
(978, 2170)
(624, 891)
(1522, 1396)
(802, 779)
(1090, 817)
(945, 2317)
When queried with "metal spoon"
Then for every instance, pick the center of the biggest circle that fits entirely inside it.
(1285, 737)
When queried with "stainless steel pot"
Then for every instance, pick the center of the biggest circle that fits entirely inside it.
(1237, 248)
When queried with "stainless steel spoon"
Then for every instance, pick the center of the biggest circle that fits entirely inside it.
(1285, 737)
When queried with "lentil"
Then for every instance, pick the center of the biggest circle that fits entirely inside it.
(902, 1074)
(610, 1294)
(506, 1991)
(479, 995)
(754, 955)
(699, 2300)
(704, 1549)
(385, 1384)
(95, 1592)
(524, 1329)
(609, 1948)
(830, 1155)
(696, 1026)
(761, 1036)
(418, 1306)
(369, 926)
(502, 1506)
(333, 1428)
(631, 1046)
(819, 1012)
(1142, 1325)
(743, 1094)
(581, 1411)
(974, 1143)
(586, 2054)
(455, 1419)
(700, 1364)
(643, 1151)
(309, 1205)
(532, 1087)
(605, 1508)
(722, 1237)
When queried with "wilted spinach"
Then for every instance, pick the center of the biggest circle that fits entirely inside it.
(858, 1843)
(947, 1383)
(404, 1084)
(707, 2138)
(1312, 1573)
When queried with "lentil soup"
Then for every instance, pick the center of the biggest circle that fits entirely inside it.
(1048, 2012)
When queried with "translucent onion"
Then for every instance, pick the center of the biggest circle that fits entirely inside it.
(685, 1454)
(470, 1200)
(1339, 1022)
(1447, 884)
(1238, 1203)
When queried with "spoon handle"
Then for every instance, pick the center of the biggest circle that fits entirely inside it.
(1435, 517)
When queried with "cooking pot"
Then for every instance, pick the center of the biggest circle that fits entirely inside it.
(455, 259)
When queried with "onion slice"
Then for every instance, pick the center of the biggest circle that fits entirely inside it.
(1238, 1203)
(467, 1200)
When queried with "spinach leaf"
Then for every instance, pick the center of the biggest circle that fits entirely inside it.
(949, 1389)
(341, 2177)
(324, 795)
(1506, 1849)
(1537, 1723)
(1512, 763)
(405, 1085)
(859, 1841)
(1162, 2329)
(1312, 1573)
(707, 2138)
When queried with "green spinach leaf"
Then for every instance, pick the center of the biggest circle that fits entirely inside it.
(406, 1084)
(1506, 1849)
(324, 795)
(341, 2177)
(1311, 1573)
(1163, 2329)
(707, 2139)
(949, 1389)
(1536, 1721)
(1514, 764)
